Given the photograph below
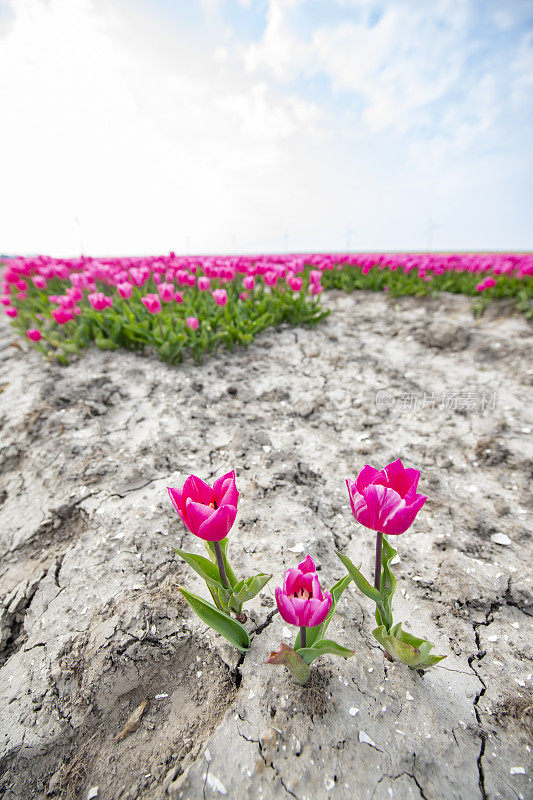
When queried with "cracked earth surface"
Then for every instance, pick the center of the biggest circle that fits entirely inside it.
(91, 623)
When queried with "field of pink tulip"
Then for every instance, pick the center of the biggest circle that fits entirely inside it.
(179, 304)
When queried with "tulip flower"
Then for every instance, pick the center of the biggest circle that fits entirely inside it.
(166, 292)
(5, 299)
(248, 282)
(178, 297)
(152, 303)
(301, 601)
(203, 283)
(39, 282)
(125, 289)
(220, 297)
(99, 301)
(62, 315)
(192, 323)
(387, 502)
(295, 283)
(34, 334)
(208, 512)
(11, 311)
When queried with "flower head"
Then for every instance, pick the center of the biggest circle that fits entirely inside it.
(152, 303)
(207, 512)
(386, 500)
(220, 297)
(34, 334)
(192, 323)
(301, 601)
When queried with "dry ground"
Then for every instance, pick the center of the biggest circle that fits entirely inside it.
(92, 625)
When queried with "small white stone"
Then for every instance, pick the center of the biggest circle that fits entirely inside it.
(493, 638)
(409, 697)
(515, 625)
(286, 633)
(395, 560)
(267, 449)
(329, 783)
(207, 755)
(517, 771)
(353, 711)
(299, 547)
(161, 696)
(366, 739)
(92, 793)
(216, 784)
(500, 538)
(251, 695)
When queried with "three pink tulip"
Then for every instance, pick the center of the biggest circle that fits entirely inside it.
(207, 512)
(386, 500)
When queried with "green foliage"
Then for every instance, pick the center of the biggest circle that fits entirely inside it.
(405, 647)
(221, 622)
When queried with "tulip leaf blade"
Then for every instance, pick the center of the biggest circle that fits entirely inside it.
(222, 623)
(323, 647)
(202, 566)
(388, 584)
(250, 587)
(286, 656)
(360, 581)
(405, 647)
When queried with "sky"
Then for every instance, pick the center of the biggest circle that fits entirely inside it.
(245, 126)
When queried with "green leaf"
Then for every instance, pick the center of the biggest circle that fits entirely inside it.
(322, 647)
(312, 634)
(360, 581)
(224, 549)
(205, 568)
(222, 623)
(250, 588)
(405, 647)
(105, 344)
(287, 657)
(388, 584)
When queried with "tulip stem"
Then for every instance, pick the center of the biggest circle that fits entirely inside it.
(377, 573)
(303, 631)
(221, 567)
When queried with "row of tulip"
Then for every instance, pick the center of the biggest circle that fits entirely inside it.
(386, 501)
(174, 303)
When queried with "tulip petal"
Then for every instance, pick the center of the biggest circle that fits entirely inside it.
(197, 490)
(316, 591)
(317, 610)
(175, 497)
(307, 565)
(292, 581)
(285, 607)
(381, 504)
(218, 524)
(229, 494)
(197, 514)
(400, 479)
(365, 477)
(221, 486)
(404, 517)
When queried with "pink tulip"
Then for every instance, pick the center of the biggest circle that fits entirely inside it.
(295, 283)
(125, 289)
(99, 301)
(11, 311)
(34, 334)
(248, 282)
(207, 512)
(178, 297)
(5, 300)
(220, 297)
(315, 276)
(192, 323)
(203, 283)
(244, 296)
(301, 601)
(315, 288)
(166, 292)
(62, 315)
(39, 282)
(271, 278)
(386, 501)
(152, 303)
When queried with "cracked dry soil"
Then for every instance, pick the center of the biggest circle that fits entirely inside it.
(92, 625)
